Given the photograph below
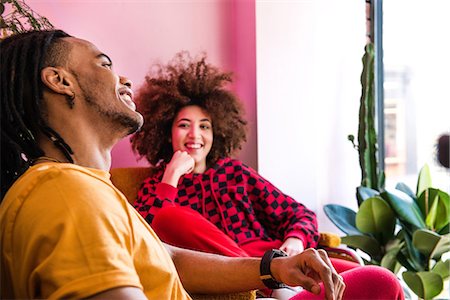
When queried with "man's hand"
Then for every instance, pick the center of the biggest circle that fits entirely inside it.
(308, 269)
(180, 164)
(292, 246)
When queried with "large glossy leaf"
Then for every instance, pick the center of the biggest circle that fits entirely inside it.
(365, 193)
(343, 218)
(436, 205)
(405, 189)
(425, 241)
(414, 258)
(430, 218)
(444, 230)
(389, 260)
(442, 268)
(443, 219)
(375, 216)
(365, 243)
(424, 180)
(405, 207)
(426, 285)
(442, 247)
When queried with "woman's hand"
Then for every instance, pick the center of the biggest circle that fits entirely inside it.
(308, 269)
(292, 246)
(180, 164)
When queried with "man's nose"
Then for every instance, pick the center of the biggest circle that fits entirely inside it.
(125, 81)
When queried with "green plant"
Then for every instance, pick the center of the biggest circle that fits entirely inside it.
(401, 228)
(371, 175)
(20, 18)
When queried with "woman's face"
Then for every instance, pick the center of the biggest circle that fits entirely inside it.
(192, 132)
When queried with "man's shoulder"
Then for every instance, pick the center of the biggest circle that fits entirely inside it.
(51, 178)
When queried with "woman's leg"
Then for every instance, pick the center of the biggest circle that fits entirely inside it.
(257, 248)
(186, 228)
(365, 282)
(342, 265)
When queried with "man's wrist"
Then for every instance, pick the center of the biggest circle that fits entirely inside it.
(265, 269)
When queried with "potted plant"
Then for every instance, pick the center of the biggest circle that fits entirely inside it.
(401, 230)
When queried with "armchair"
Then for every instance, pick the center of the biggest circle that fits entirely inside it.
(128, 181)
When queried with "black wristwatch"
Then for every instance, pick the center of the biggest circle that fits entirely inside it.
(264, 268)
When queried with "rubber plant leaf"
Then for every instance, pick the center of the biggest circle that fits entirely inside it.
(343, 218)
(443, 211)
(389, 260)
(405, 207)
(425, 241)
(405, 189)
(426, 285)
(375, 216)
(417, 260)
(365, 243)
(435, 205)
(424, 180)
(442, 268)
(365, 193)
(442, 247)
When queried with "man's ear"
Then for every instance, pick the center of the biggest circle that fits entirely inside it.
(58, 80)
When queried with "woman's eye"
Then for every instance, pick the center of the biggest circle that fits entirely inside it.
(183, 125)
(107, 65)
(206, 127)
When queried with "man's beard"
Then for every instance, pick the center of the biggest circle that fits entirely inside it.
(121, 120)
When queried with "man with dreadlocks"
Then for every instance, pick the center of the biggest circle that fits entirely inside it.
(66, 231)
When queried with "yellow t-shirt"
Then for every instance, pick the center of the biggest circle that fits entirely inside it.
(67, 232)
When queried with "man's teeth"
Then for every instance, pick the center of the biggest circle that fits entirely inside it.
(126, 97)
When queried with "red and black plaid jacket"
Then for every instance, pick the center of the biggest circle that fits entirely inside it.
(237, 200)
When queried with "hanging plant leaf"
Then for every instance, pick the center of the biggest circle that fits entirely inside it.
(442, 268)
(424, 180)
(426, 285)
(405, 207)
(405, 189)
(365, 243)
(343, 218)
(375, 216)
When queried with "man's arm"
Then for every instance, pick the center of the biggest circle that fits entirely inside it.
(127, 292)
(209, 273)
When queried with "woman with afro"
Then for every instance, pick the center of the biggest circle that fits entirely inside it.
(198, 196)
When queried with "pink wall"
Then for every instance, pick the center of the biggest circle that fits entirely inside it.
(136, 34)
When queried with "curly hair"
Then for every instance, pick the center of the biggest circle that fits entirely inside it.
(185, 81)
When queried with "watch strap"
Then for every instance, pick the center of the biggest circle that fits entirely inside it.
(264, 268)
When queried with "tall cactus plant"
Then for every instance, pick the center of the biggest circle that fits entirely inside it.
(371, 175)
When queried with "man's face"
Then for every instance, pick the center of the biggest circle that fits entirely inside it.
(108, 97)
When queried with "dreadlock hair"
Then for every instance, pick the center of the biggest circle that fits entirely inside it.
(185, 81)
(22, 57)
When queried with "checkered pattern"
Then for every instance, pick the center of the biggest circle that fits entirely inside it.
(237, 200)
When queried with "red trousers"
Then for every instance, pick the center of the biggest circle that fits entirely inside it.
(186, 228)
